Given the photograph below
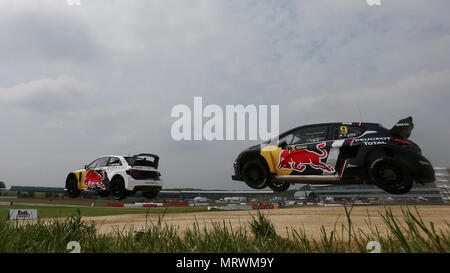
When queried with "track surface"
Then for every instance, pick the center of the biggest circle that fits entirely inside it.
(308, 218)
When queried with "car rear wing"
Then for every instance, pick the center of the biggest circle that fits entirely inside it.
(136, 161)
(403, 128)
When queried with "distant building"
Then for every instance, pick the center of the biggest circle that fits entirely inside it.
(218, 194)
(443, 182)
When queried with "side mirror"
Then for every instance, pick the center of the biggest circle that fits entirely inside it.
(282, 144)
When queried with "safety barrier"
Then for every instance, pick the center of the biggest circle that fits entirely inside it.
(147, 205)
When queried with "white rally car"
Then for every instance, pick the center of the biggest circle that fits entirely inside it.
(117, 175)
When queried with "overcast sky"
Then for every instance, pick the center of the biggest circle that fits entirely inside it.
(77, 82)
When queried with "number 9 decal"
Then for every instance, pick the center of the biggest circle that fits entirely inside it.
(344, 130)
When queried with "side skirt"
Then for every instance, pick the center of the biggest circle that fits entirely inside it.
(316, 179)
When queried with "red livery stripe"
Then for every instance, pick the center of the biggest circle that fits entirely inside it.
(351, 142)
(342, 169)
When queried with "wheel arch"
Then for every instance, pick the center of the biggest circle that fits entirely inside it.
(70, 176)
(398, 154)
(118, 175)
(252, 156)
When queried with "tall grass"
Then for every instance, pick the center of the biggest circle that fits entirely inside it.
(409, 233)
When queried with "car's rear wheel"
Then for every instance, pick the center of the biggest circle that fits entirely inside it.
(72, 187)
(150, 194)
(117, 188)
(255, 174)
(390, 174)
(279, 186)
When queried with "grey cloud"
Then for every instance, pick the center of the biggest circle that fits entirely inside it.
(318, 60)
(47, 95)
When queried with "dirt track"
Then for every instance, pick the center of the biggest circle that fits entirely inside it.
(308, 218)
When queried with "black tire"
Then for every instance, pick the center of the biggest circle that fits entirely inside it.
(255, 174)
(72, 187)
(150, 194)
(117, 188)
(390, 174)
(103, 193)
(279, 186)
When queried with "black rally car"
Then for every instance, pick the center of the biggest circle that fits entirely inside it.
(337, 153)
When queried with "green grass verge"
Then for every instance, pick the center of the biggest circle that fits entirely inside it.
(54, 212)
(408, 234)
(57, 202)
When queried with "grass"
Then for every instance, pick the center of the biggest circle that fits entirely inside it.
(54, 212)
(56, 202)
(405, 234)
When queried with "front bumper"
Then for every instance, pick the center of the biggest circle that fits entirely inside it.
(237, 178)
(424, 172)
(144, 185)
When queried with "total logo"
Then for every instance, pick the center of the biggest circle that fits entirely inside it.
(73, 2)
(374, 2)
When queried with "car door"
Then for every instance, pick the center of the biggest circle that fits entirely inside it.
(342, 146)
(102, 170)
(96, 177)
(306, 152)
(83, 183)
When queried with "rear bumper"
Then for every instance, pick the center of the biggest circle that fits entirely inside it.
(144, 185)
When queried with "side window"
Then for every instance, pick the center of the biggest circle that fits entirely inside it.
(102, 162)
(347, 131)
(114, 161)
(286, 138)
(311, 134)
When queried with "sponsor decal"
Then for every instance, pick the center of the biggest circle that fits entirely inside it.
(373, 139)
(368, 143)
(298, 159)
(93, 179)
(21, 214)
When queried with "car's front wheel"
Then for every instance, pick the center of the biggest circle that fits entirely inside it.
(391, 174)
(255, 174)
(117, 188)
(72, 187)
(279, 186)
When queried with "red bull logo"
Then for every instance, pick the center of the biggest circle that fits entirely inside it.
(298, 159)
(23, 213)
(93, 179)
